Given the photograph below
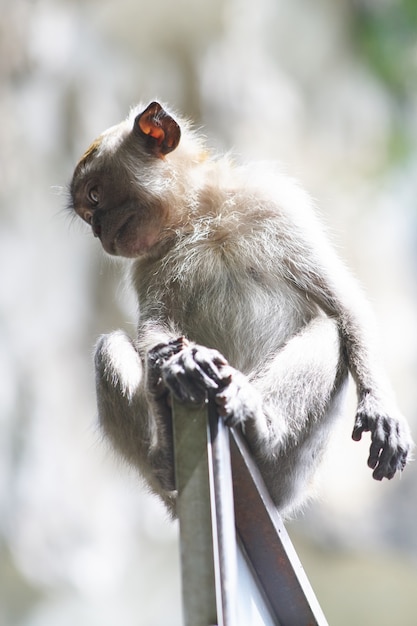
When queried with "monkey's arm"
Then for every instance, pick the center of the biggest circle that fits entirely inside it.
(323, 278)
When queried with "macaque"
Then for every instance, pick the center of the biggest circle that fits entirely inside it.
(241, 299)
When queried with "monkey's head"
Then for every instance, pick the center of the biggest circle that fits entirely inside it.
(123, 185)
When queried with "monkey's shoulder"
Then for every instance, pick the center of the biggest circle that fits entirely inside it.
(256, 202)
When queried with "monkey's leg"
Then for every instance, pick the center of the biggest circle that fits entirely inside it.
(302, 390)
(298, 385)
(129, 415)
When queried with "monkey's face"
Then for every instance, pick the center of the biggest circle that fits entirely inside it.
(115, 184)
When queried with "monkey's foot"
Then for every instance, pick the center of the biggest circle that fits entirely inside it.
(238, 400)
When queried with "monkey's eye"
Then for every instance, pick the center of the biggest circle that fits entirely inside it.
(93, 196)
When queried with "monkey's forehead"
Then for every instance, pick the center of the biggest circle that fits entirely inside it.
(94, 158)
(92, 151)
(84, 166)
(105, 143)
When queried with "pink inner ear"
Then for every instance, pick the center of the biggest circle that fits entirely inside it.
(156, 123)
(148, 127)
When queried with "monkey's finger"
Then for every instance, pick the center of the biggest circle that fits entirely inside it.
(201, 371)
(183, 389)
(373, 459)
(179, 343)
(392, 470)
(186, 379)
(397, 464)
(383, 466)
(226, 374)
(380, 450)
(226, 405)
(359, 428)
(212, 355)
(385, 469)
(186, 364)
(161, 353)
(232, 406)
(209, 362)
(219, 359)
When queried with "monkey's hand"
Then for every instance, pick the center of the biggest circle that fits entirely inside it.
(391, 442)
(187, 370)
(192, 372)
(157, 358)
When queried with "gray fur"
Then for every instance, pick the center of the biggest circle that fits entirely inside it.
(232, 258)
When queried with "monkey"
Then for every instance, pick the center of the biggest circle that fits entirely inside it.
(241, 298)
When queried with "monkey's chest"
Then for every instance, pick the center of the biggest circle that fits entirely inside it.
(241, 315)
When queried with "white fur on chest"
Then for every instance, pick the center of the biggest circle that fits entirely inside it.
(243, 312)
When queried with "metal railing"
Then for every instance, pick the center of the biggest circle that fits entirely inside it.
(227, 517)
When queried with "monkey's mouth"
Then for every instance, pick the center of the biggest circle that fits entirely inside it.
(115, 236)
(126, 238)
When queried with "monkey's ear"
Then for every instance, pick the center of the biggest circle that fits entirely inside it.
(161, 130)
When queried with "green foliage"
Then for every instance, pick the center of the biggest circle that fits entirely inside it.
(386, 36)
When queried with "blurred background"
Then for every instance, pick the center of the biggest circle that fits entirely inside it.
(329, 89)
